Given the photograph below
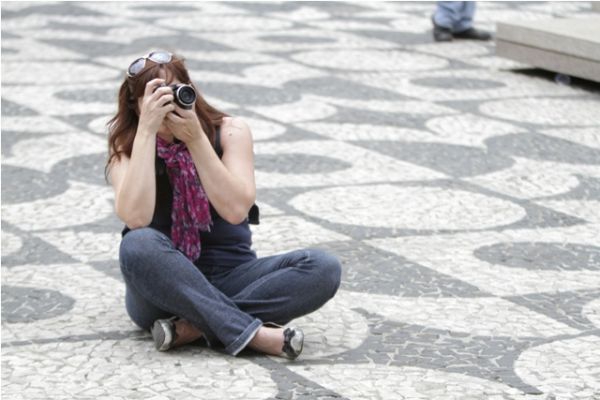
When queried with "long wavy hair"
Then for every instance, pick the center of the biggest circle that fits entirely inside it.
(123, 126)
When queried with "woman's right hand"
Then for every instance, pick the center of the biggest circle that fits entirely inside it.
(154, 106)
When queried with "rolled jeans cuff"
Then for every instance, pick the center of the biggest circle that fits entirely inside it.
(242, 341)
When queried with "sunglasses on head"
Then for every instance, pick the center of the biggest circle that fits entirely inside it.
(159, 57)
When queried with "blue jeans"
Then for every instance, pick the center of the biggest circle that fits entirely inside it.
(227, 304)
(455, 15)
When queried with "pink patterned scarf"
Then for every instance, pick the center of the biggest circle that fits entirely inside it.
(191, 210)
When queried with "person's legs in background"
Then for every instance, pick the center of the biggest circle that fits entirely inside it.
(454, 19)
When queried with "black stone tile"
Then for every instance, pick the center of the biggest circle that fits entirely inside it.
(298, 163)
(341, 89)
(29, 304)
(542, 147)
(542, 256)
(20, 185)
(565, 307)
(370, 270)
(454, 160)
(11, 109)
(88, 168)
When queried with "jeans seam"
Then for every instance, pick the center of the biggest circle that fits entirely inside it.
(244, 338)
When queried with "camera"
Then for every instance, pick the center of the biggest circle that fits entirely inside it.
(185, 95)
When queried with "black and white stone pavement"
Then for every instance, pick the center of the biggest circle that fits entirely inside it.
(461, 192)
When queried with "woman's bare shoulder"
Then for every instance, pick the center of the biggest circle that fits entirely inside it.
(234, 123)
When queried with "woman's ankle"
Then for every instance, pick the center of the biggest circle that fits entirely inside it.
(185, 332)
(268, 340)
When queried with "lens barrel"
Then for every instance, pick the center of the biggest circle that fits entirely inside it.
(185, 95)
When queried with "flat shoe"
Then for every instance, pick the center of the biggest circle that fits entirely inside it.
(293, 342)
(164, 333)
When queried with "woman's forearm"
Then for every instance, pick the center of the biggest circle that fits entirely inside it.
(137, 195)
(228, 194)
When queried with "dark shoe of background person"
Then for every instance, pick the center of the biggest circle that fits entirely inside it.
(473, 34)
(164, 333)
(293, 342)
(441, 34)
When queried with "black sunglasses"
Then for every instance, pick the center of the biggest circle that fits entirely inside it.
(159, 57)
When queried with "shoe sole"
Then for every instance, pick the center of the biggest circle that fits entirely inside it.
(161, 334)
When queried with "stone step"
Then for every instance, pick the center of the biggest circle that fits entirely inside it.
(569, 46)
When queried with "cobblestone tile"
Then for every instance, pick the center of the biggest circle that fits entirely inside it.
(460, 195)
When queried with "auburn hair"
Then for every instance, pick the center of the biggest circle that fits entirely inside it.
(123, 126)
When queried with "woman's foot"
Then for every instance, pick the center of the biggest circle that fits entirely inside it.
(173, 332)
(293, 342)
(287, 342)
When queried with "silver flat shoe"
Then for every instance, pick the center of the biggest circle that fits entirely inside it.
(164, 333)
(293, 342)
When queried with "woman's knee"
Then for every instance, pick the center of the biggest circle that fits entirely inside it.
(140, 245)
(329, 269)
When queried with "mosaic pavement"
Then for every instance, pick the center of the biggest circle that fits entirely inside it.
(462, 196)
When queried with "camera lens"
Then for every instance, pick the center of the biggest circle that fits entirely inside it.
(186, 95)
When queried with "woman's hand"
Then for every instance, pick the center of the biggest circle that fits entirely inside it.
(184, 125)
(154, 106)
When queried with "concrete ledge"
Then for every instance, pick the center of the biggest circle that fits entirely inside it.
(569, 46)
(578, 37)
(550, 60)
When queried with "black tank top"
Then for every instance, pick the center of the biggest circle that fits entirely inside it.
(226, 245)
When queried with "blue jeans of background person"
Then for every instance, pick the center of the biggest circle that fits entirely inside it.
(454, 15)
(227, 304)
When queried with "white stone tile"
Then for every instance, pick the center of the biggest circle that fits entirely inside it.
(305, 109)
(453, 255)
(269, 75)
(332, 329)
(588, 210)
(303, 14)
(460, 49)
(133, 10)
(306, 39)
(483, 316)
(44, 153)
(374, 381)
(585, 136)
(546, 111)
(99, 302)
(10, 243)
(98, 125)
(280, 234)
(224, 23)
(81, 204)
(412, 207)
(512, 85)
(366, 166)
(591, 311)
(35, 124)
(44, 101)
(371, 60)
(469, 129)
(85, 246)
(26, 50)
(394, 106)
(54, 72)
(564, 368)
(128, 369)
(366, 132)
(527, 179)
(263, 129)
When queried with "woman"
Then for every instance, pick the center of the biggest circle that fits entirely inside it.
(184, 185)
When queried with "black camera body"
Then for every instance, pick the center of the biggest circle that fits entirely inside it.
(184, 95)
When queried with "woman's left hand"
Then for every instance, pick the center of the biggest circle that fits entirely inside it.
(184, 125)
